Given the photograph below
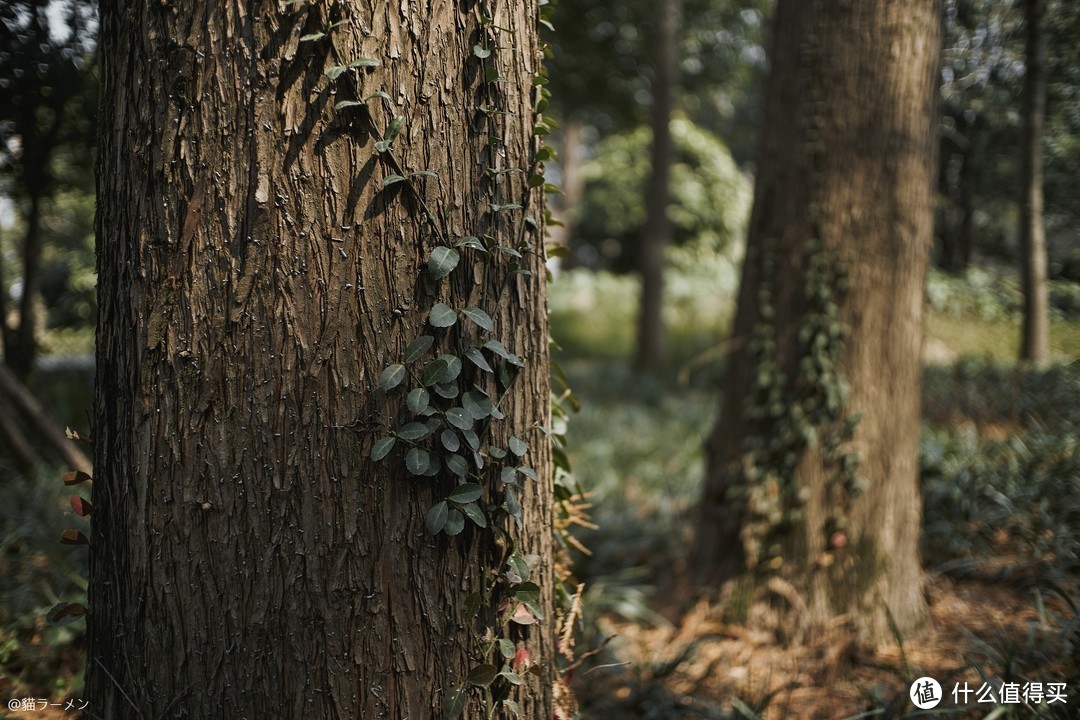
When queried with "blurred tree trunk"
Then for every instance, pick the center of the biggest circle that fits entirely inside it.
(571, 160)
(1035, 342)
(260, 264)
(652, 336)
(813, 465)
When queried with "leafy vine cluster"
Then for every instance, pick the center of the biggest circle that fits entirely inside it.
(455, 374)
(793, 411)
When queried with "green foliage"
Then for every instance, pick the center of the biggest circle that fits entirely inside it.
(710, 196)
(991, 294)
(37, 573)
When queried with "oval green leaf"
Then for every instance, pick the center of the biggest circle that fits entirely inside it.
(413, 431)
(417, 461)
(466, 493)
(418, 400)
(442, 316)
(443, 260)
(455, 522)
(417, 348)
(478, 316)
(382, 447)
(460, 419)
(391, 377)
(475, 514)
(436, 517)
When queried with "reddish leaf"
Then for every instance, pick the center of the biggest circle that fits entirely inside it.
(522, 616)
(81, 506)
(65, 610)
(75, 477)
(521, 657)
(71, 536)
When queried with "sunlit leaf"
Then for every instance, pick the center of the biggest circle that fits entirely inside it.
(442, 316)
(443, 260)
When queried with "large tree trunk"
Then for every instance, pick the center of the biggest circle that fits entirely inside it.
(831, 308)
(1035, 341)
(656, 235)
(260, 264)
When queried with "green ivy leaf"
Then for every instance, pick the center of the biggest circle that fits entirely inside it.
(335, 72)
(312, 37)
(393, 180)
(474, 513)
(470, 438)
(528, 472)
(436, 517)
(477, 404)
(511, 705)
(392, 132)
(478, 316)
(391, 377)
(508, 475)
(382, 447)
(450, 440)
(455, 522)
(536, 181)
(418, 400)
(418, 461)
(477, 358)
(447, 390)
(454, 704)
(507, 250)
(453, 367)
(482, 675)
(512, 677)
(443, 260)
(442, 316)
(513, 506)
(413, 431)
(470, 241)
(460, 419)
(347, 104)
(518, 446)
(433, 373)
(364, 62)
(466, 493)
(457, 464)
(506, 648)
(417, 348)
(499, 349)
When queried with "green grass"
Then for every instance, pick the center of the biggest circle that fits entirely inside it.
(999, 340)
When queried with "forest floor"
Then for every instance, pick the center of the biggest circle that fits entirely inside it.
(701, 665)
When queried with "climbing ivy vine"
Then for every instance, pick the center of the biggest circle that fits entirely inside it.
(798, 406)
(454, 375)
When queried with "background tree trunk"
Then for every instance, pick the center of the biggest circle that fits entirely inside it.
(1035, 341)
(257, 272)
(831, 308)
(652, 337)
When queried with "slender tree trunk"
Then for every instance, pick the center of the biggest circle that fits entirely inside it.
(261, 262)
(652, 336)
(571, 160)
(813, 464)
(19, 353)
(1035, 342)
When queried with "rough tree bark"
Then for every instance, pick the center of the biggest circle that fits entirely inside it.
(656, 235)
(259, 266)
(1035, 338)
(831, 309)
